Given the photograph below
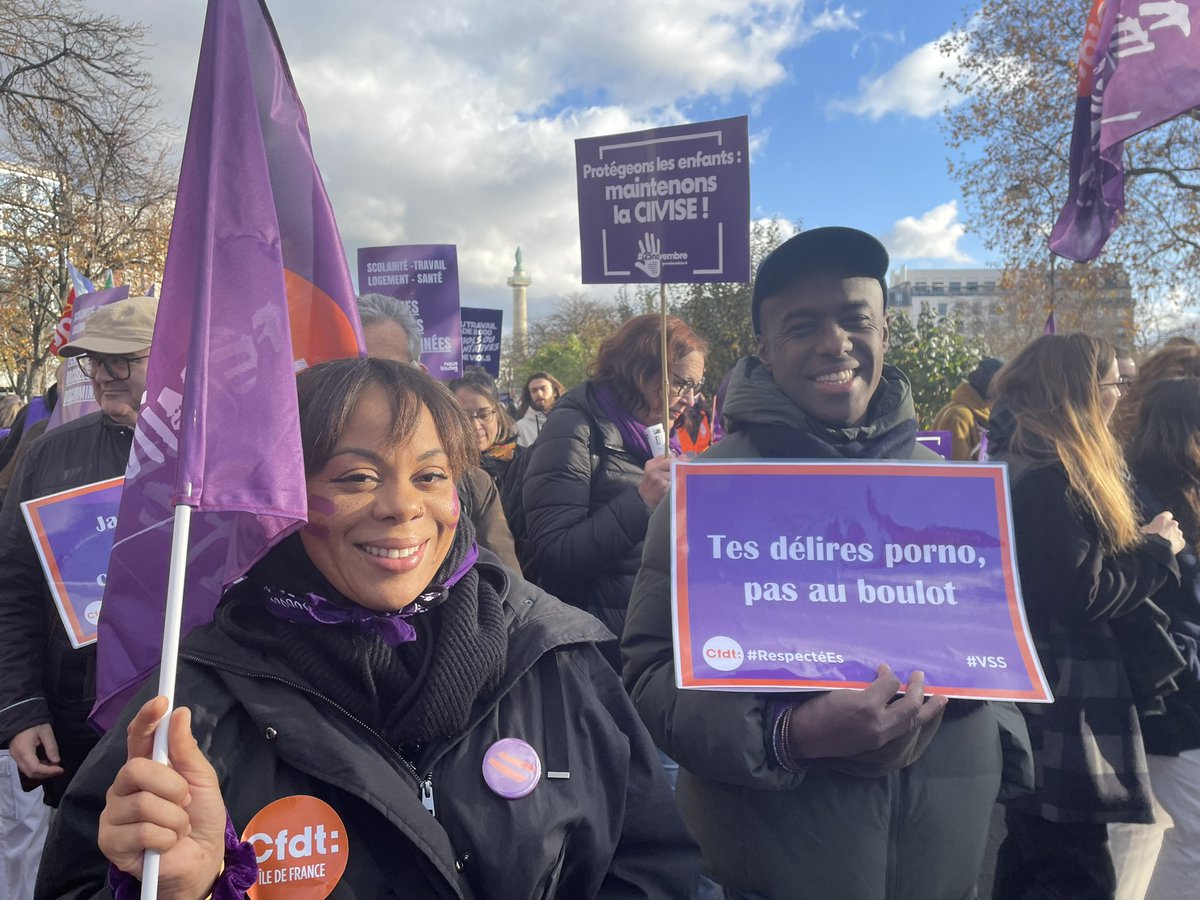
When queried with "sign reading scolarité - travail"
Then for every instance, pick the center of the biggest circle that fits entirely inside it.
(807, 576)
(424, 278)
(667, 205)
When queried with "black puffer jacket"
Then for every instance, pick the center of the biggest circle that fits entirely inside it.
(586, 519)
(610, 830)
(42, 679)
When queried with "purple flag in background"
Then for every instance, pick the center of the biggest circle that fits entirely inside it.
(1139, 65)
(256, 286)
(1051, 327)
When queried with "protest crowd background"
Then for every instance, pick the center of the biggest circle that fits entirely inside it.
(434, 647)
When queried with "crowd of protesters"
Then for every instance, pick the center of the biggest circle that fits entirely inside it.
(486, 587)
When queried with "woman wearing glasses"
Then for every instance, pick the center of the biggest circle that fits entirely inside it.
(495, 433)
(592, 480)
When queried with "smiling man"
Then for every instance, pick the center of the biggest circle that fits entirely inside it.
(859, 795)
(46, 687)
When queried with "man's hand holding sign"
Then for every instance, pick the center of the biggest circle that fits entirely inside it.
(849, 723)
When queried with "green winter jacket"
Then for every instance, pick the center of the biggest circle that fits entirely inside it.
(917, 832)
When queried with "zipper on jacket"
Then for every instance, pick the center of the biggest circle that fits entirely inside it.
(424, 785)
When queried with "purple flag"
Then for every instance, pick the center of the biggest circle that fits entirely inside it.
(256, 286)
(1051, 327)
(1139, 65)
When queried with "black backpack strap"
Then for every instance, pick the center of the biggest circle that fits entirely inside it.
(554, 718)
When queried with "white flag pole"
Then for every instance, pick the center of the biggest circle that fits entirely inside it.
(168, 665)
(666, 371)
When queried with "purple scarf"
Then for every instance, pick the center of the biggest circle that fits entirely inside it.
(633, 432)
(392, 627)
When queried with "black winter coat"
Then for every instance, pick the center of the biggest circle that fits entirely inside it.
(609, 830)
(1091, 764)
(42, 678)
(586, 519)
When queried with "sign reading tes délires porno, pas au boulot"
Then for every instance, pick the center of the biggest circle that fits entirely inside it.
(808, 576)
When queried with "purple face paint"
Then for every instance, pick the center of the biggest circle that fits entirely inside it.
(320, 532)
(320, 505)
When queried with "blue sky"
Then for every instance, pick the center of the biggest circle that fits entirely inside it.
(454, 122)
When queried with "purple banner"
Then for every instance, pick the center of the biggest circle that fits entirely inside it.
(1156, 48)
(481, 338)
(666, 205)
(1139, 65)
(73, 534)
(425, 278)
(77, 398)
(940, 442)
(795, 576)
(256, 287)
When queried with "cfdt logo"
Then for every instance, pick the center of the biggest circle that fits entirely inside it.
(723, 653)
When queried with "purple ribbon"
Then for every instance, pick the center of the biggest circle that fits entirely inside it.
(391, 627)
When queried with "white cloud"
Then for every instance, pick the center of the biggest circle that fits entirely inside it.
(454, 122)
(913, 86)
(839, 19)
(934, 236)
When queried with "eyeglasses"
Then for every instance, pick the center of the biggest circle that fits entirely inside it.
(117, 367)
(681, 386)
(482, 415)
(1123, 385)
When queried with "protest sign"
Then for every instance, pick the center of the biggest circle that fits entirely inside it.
(940, 442)
(805, 576)
(666, 205)
(481, 338)
(425, 278)
(73, 534)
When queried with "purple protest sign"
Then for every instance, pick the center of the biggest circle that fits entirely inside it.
(77, 398)
(805, 576)
(73, 534)
(666, 205)
(425, 277)
(940, 442)
(481, 338)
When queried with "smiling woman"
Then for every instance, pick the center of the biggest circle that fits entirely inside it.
(449, 716)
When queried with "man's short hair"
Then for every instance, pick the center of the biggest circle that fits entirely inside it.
(375, 309)
(832, 249)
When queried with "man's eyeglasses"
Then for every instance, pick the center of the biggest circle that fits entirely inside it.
(117, 367)
(1123, 385)
(482, 415)
(681, 386)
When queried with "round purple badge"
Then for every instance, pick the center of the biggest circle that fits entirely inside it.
(512, 768)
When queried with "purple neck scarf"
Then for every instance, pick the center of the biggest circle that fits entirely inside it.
(633, 432)
(393, 628)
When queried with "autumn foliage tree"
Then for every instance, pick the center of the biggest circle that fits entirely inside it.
(83, 170)
(1014, 63)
